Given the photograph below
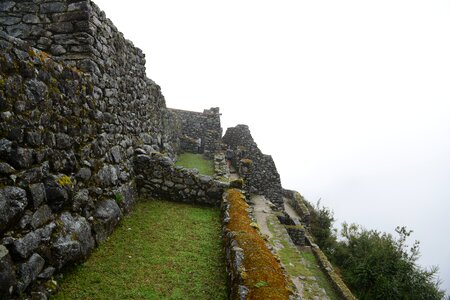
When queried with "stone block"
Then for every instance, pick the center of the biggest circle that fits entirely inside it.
(41, 216)
(37, 193)
(7, 274)
(106, 216)
(29, 271)
(13, 201)
(77, 15)
(53, 7)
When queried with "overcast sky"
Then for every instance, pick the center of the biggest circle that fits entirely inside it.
(351, 98)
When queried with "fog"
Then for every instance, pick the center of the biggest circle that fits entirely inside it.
(351, 98)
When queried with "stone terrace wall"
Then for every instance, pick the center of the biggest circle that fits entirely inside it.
(159, 177)
(258, 170)
(204, 126)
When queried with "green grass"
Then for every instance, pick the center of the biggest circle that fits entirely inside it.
(197, 161)
(163, 250)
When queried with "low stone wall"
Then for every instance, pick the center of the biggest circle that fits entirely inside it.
(157, 176)
(257, 169)
(337, 282)
(234, 255)
(297, 202)
(295, 230)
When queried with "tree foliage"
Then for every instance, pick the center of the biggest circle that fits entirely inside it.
(375, 265)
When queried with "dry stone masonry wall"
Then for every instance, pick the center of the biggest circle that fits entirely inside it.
(200, 132)
(69, 127)
(158, 177)
(258, 170)
(82, 131)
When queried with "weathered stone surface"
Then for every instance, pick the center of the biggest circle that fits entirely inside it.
(36, 90)
(13, 201)
(7, 20)
(53, 7)
(57, 195)
(115, 154)
(47, 273)
(23, 247)
(21, 158)
(37, 192)
(33, 138)
(7, 274)
(107, 216)
(31, 19)
(70, 16)
(5, 148)
(63, 141)
(6, 5)
(6, 169)
(29, 271)
(73, 240)
(81, 200)
(107, 176)
(41, 216)
(84, 174)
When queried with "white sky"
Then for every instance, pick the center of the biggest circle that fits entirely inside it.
(351, 98)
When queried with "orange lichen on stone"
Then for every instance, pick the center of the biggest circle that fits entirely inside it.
(264, 276)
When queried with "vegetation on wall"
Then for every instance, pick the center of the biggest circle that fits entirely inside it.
(375, 265)
(263, 274)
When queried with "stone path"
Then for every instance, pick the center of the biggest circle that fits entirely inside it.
(299, 263)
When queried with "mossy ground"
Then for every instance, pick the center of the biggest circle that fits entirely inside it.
(162, 250)
(197, 161)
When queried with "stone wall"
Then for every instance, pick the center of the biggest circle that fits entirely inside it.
(200, 132)
(157, 176)
(297, 202)
(69, 127)
(78, 33)
(257, 169)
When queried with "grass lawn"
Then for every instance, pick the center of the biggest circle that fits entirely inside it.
(162, 250)
(197, 161)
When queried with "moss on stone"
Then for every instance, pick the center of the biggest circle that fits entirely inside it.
(260, 264)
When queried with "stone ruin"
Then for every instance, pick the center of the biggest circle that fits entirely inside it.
(84, 133)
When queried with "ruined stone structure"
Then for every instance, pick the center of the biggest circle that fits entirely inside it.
(70, 122)
(258, 170)
(200, 132)
(82, 131)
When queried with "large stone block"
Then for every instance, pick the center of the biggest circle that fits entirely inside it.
(13, 201)
(72, 241)
(29, 271)
(7, 274)
(106, 216)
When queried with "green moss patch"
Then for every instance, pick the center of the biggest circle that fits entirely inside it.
(196, 161)
(162, 250)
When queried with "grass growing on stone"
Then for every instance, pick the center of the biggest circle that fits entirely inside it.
(196, 161)
(162, 250)
(301, 263)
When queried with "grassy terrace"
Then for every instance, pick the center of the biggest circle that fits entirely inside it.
(162, 250)
(197, 161)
